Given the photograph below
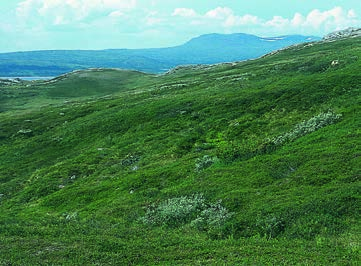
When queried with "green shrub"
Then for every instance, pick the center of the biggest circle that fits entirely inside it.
(174, 211)
(209, 217)
(130, 159)
(212, 219)
(71, 216)
(270, 226)
(306, 127)
(230, 152)
(205, 162)
(315, 225)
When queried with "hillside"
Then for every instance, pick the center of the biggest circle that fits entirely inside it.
(247, 163)
(205, 49)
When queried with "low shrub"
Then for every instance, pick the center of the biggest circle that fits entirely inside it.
(174, 211)
(212, 219)
(205, 162)
(270, 226)
(192, 210)
(130, 159)
(319, 121)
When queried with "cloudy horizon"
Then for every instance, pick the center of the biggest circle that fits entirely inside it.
(105, 24)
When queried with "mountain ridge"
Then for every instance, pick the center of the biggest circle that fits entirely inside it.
(205, 49)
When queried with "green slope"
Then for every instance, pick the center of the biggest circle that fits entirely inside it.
(118, 167)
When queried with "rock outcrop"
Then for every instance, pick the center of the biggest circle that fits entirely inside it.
(341, 34)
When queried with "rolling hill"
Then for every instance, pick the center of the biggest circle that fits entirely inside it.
(205, 49)
(244, 163)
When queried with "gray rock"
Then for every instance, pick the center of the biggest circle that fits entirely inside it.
(341, 34)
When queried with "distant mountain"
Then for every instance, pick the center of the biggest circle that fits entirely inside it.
(205, 49)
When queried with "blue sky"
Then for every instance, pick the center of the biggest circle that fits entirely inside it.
(101, 24)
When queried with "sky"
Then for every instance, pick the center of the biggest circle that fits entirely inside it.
(107, 24)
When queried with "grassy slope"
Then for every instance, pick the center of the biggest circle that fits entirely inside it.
(73, 189)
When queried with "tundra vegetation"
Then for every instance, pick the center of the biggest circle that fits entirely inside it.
(247, 163)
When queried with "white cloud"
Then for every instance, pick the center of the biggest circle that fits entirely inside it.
(59, 20)
(351, 14)
(134, 22)
(336, 18)
(220, 13)
(220, 16)
(315, 22)
(116, 14)
(298, 20)
(315, 18)
(184, 12)
(153, 19)
(74, 13)
(117, 4)
(27, 7)
(234, 21)
(67, 11)
(278, 22)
